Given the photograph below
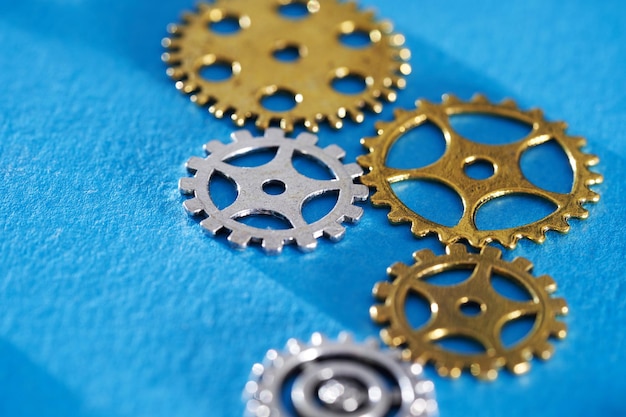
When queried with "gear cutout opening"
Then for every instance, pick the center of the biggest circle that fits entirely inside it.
(418, 195)
(495, 214)
(298, 9)
(417, 148)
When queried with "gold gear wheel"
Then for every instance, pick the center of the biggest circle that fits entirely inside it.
(448, 320)
(449, 170)
(257, 74)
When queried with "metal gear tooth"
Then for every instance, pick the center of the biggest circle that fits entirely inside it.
(424, 255)
(458, 249)
(558, 329)
(186, 185)
(356, 115)
(369, 143)
(559, 306)
(334, 151)
(382, 290)
(175, 73)
(317, 339)
(200, 98)
(389, 95)
(334, 121)
(312, 125)
(591, 160)
(400, 269)
(214, 146)
(193, 206)
(536, 114)
(218, 109)
(372, 343)
(287, 125)
(270, 245)
(379, 313)
(294, 346)
(373, 104)
(353, 214)
(335, 232)
(172, 29)
(262, 122)
(480, 99)
(239, 239)
(238, 118)
(509, 104)
(211, 225)
(392, 337)
(594, 178)
(194, 164)
(361, 192)
(560, 225)
(306, 242)
(591, 197)
(546, 282)
(522, 264)
(543, 351)
(517, 364)
(345, 338)
(447, 99)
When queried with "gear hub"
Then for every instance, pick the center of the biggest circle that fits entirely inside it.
(484, 326)
(507, 179)
(255, 198)
(267, 54)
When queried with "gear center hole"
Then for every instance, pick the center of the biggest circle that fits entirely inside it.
(479, 169)
(471, 308)
(274, 187)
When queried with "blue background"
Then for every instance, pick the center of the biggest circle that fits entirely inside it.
(112, 301)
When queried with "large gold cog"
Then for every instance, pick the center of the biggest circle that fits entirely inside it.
(256, 73)
(449, 170)
(447, 318)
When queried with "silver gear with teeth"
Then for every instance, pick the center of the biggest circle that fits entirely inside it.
(326, 378)
(287, 205)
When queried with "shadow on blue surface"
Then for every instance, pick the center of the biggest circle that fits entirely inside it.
(28, 391)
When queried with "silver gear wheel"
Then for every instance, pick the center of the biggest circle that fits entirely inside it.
(253, 200)
(336, 379)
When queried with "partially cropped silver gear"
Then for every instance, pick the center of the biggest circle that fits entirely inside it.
(253, 200)
(336, 379)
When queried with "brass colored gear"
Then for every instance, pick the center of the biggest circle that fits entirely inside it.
(507, 178)
(449, 320)
(257, 74)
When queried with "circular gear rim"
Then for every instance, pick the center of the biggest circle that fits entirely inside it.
(418, 343)
(416, 396)
(447, 170)
(273, 240)
(382, 66)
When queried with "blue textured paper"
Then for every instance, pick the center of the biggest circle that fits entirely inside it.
(114, 303)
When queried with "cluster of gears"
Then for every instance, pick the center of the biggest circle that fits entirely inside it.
(301, 51)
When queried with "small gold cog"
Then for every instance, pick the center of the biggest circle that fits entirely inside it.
(507, 178)
(320, 59)
(448, 320)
